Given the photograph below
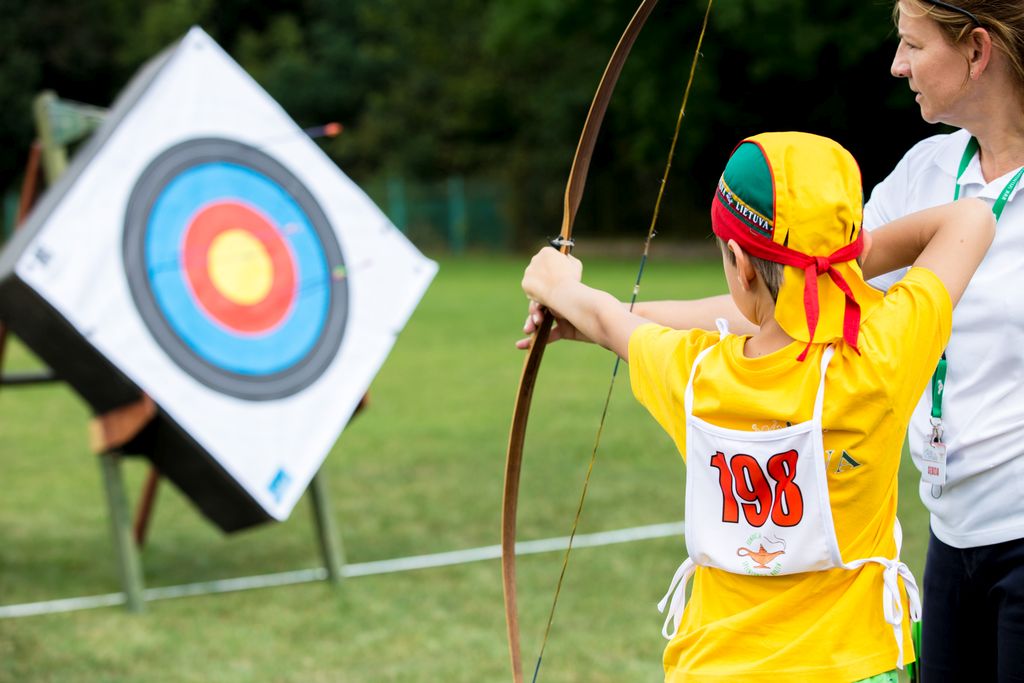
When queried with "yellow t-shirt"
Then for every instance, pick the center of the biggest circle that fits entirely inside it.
(816, 626)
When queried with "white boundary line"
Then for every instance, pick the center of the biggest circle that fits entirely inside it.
(401, 564)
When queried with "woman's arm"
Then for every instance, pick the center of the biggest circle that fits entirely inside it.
(949, 240)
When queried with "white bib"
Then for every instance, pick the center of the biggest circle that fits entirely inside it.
(757, 504)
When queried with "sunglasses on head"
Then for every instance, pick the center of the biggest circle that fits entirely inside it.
(954, 8)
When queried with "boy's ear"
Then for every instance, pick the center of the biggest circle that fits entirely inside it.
(744, 268)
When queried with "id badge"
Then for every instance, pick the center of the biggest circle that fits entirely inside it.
(934, 461)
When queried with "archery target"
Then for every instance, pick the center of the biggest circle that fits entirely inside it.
(203, 250)
(240, 280)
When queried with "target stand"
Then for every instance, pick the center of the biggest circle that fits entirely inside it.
(202, 263)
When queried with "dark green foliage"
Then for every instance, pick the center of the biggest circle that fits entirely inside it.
(499, 90)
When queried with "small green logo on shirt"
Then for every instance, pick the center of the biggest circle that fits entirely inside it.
(845, 462)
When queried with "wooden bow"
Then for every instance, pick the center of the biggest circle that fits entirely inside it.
(514, 459)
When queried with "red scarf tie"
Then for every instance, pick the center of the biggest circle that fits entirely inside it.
(727, 227)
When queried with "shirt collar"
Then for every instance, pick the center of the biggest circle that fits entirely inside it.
(948, 159)
(952, 150)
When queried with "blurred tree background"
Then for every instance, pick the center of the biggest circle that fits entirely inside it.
(495, 91)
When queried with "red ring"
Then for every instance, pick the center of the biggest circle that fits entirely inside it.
(204, 228)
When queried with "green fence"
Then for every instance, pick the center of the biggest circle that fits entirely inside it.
(455, 214)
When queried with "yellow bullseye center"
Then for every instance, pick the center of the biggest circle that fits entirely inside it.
(240, 267)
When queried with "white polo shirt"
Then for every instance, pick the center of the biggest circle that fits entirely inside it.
(983, 405)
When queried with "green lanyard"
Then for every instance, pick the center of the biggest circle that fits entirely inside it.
(938, 386)
(939, 378)
(969, 152)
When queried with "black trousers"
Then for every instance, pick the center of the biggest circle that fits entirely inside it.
(973, 627)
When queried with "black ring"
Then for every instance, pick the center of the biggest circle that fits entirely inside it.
(161, 171)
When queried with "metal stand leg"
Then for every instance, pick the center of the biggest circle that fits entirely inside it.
(121, 532)
(330, 541)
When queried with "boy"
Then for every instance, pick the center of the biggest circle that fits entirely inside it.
(792, 435)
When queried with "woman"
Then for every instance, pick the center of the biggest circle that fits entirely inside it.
(964, 62)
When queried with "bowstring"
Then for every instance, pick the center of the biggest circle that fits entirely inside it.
(618, 360)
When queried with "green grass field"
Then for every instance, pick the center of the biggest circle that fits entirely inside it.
(419, 472)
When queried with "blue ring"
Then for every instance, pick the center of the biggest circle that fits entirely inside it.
(174, 210)
(312, 331)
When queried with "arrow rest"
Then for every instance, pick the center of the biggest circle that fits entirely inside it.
(563, 244)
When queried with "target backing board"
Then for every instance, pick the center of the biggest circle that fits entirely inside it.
(203, 250)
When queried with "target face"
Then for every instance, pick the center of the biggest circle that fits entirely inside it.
(203, 251)
(235, 269)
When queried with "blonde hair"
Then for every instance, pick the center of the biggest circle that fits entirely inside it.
(1003, 19)
(771, 272)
